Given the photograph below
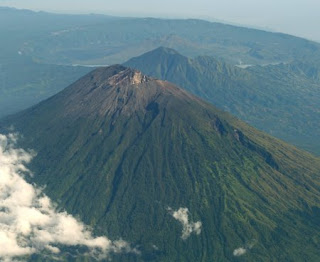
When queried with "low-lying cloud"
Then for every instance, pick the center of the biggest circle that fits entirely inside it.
(243, 250)
(29, 222)
(182, 215)
(239, 251)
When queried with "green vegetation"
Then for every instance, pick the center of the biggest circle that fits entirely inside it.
(118, 155)
(281, 99)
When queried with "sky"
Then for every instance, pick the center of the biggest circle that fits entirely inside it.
(297, 17)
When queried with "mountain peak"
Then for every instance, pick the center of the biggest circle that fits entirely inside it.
(159, 54)
(114, 89)
(166, 50)
(128, 77)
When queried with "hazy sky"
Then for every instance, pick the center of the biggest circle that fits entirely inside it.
(299, 17)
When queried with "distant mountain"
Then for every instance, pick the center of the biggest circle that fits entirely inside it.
(179, 179)
(281, 99)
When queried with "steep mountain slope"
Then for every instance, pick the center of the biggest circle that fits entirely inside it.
(141, 158)
(282, 99)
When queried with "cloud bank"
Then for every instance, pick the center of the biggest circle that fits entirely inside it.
(29, 222)
(182, 215)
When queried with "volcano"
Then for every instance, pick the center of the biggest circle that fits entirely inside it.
(140, 158)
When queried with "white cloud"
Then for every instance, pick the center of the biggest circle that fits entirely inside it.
(243, 250)
(239, 251)
(29, 222)
(182, 215)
